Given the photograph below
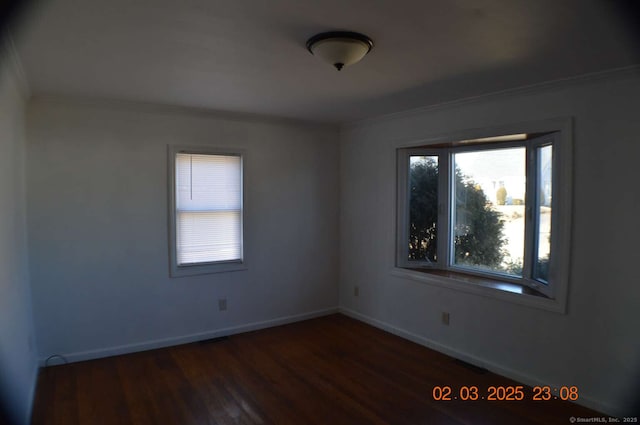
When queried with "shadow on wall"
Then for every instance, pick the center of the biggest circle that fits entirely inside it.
(628, 12)
(4, 416)
(634, 398)
(12, 12)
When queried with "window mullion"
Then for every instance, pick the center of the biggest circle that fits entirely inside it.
(444, 209)
(529, 220)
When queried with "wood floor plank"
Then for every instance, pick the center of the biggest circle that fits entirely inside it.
(100, 378)
(331, 370)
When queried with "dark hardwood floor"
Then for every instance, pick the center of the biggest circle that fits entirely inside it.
(332, 370)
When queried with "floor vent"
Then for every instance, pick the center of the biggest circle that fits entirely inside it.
(477, 369)
(212, 340)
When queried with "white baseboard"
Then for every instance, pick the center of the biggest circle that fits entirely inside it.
(584, 400)
(186, 339)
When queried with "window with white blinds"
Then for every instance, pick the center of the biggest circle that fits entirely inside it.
(207, 209)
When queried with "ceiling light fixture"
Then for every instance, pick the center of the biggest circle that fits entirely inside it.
(340, 48)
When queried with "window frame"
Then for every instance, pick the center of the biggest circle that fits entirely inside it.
(175, 269)
(443, 272)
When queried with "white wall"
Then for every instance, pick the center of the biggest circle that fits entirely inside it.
(595, 345)
(97, 200)
(18, 363)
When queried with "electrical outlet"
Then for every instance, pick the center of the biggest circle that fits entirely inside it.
(222, 304)
(356, 291)
(445, 318)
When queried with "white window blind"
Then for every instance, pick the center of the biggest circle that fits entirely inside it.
(208, 196)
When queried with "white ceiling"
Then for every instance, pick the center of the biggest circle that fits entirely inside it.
(250, 56)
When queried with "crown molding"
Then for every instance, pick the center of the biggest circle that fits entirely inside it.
(173, 109)
(632, 71)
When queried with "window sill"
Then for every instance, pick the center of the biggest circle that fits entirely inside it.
(482, 286)
(211, 268)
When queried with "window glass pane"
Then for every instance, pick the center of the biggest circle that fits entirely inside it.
(423, 208)
(489, 210)
(543, 217)
(208, 197)
(204, 237)
(207, 182)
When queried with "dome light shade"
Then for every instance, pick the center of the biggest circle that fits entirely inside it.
(340, 48)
